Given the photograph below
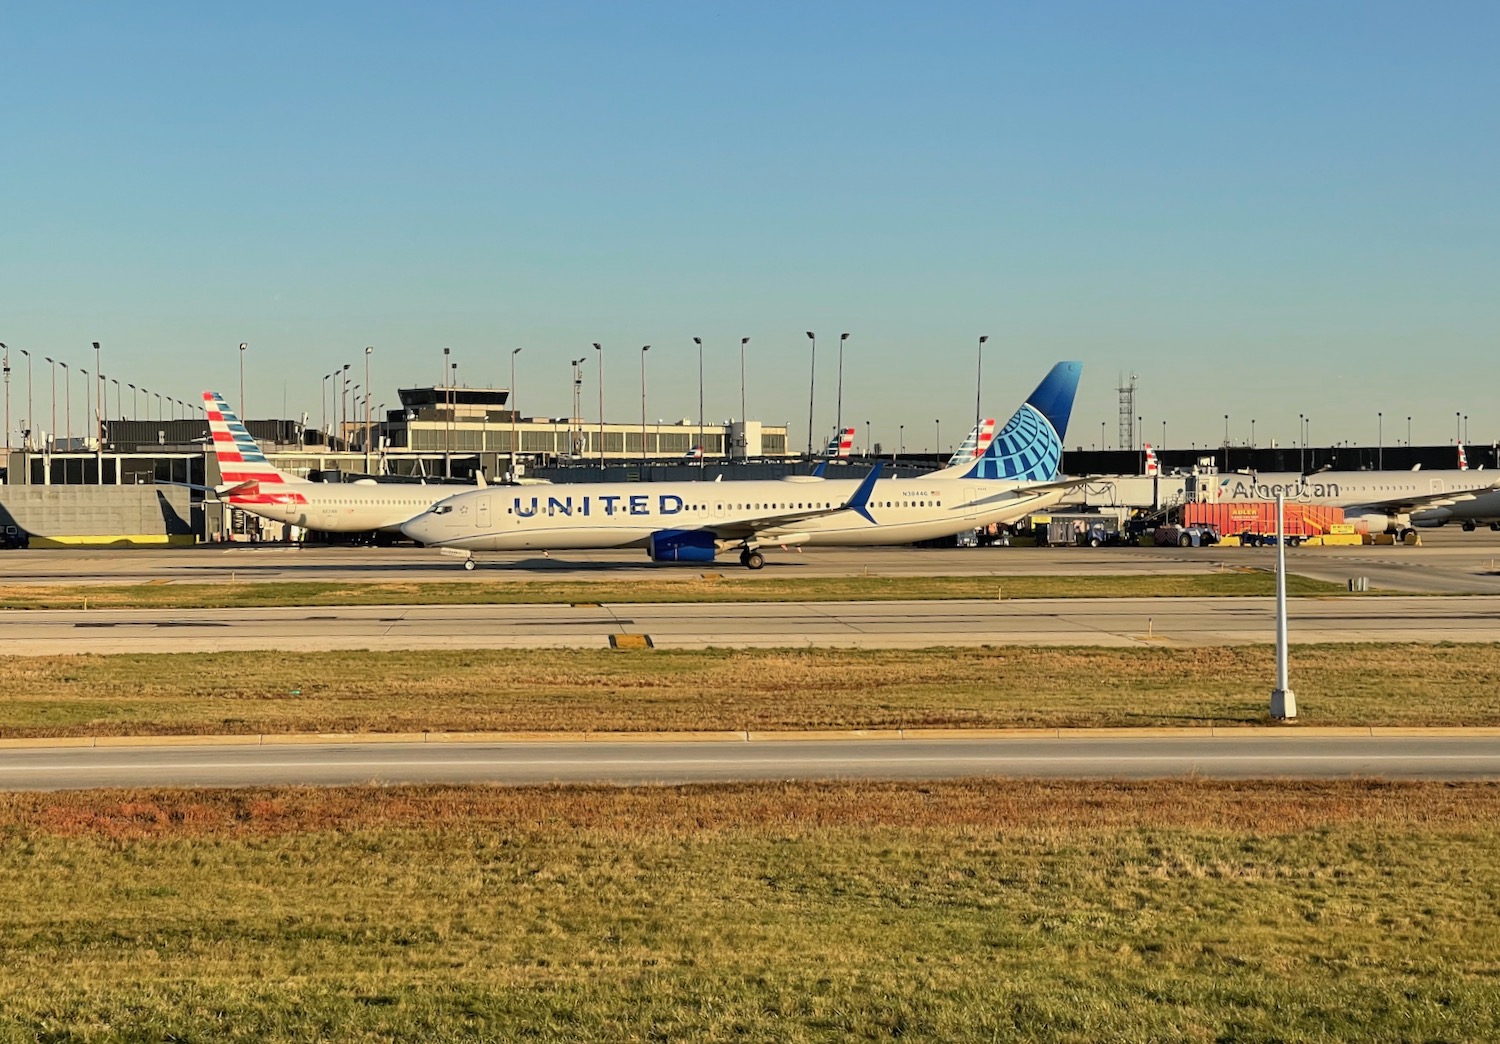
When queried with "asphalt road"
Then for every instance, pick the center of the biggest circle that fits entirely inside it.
(1450, 562)
(1067, 621)
(634, 763)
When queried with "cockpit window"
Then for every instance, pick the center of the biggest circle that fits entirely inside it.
(442, 509)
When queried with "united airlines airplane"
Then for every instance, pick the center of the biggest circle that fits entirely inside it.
(693, 521)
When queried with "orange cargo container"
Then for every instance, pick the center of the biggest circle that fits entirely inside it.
(1257, 518)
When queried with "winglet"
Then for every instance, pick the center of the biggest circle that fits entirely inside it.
(817, 471)
(861, 496)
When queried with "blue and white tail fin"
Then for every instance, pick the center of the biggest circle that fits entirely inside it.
(1029, 448)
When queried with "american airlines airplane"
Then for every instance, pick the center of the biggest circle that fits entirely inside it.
(974, 446)
(840, 445)
(252, 484)
(694, 521)
(1380, 501)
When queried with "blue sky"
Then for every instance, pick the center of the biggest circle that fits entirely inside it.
(1262, 210)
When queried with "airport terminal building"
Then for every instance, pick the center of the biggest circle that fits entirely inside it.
(144, 481)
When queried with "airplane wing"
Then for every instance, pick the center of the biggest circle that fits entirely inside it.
(1432, 500)
(750, 526)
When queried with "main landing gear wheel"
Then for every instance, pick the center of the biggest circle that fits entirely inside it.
(469, 564)
(752, 560)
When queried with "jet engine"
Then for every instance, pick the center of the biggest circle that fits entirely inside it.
(1378, 522)
(682, 545)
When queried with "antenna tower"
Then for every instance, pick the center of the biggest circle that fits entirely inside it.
(1127, 412)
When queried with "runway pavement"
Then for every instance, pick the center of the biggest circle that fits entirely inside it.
(1451, 562)
(1077, 621)
(1262, 755)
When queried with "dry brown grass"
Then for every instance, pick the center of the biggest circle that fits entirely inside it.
(600, 690)
(966, 911)
(691, 588)
(792, 808)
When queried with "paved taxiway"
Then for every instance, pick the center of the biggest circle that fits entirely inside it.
(1068, 621)
(1450, 562)
(631, 763)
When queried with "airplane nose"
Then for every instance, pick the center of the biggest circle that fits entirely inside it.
(418, 529)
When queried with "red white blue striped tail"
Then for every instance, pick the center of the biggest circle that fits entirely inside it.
(249, 477)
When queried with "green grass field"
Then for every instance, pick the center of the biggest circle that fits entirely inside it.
(694, 587)
(602, 690)
(957, 911)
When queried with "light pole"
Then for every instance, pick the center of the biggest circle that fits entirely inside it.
(98, 407)
(979, 379)
(900, 440)
(575, 434)
(118, 404)
(369, 348)
(343, 409)
(514, 352)
(1458, 431)
(812, 382)
(1379, 440)
(67, 402)
(448, 427)
(599, 348)
(1301, 444)
(147, 393)
(323, 406)
(644, 349)
(1408, 439)
(30, 414)
(744, 417)
(5, 363)
(52, 442)
(1164, 434)
(1226, 442)
(244, 413)
(869, 446)
(838, 424)
(1252, 434)
(699, 342)
(938, 429)
(1101, 435)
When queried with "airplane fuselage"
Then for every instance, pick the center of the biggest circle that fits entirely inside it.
(620, 515)
(1372, 492)
(333, 507)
